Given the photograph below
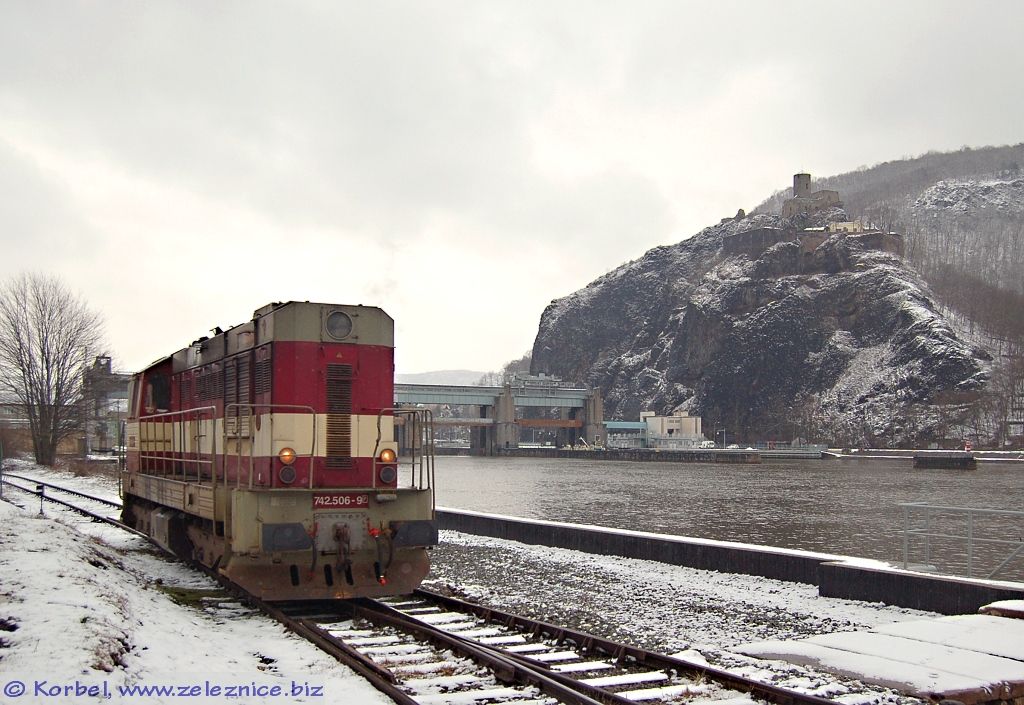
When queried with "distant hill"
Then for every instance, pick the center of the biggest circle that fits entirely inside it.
(454, 377)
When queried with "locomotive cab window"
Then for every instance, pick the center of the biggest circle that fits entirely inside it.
(158, 394)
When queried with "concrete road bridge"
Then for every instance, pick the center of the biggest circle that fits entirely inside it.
(501, 412)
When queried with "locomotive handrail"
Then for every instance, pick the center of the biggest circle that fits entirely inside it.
(253, 407)
(421, 431)
(194, 414)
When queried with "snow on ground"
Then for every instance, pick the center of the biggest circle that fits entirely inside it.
(957, 653)
(93, 605)
(1008, 608)
(87, 597)
(97, 479)
(662, 607)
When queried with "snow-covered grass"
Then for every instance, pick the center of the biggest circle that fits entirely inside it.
(86, 603)
(97, 479)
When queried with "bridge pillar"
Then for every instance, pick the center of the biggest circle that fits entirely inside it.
(506, 430)
(402, 436)
(593, 419)
(566, 436)
(481, 438)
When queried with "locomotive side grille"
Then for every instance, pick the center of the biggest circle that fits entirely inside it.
(244, 395)
(185, 392)
(217, 382)
(211, 383)
(235, 379)
(231, 397)
(339, 416)
(263, 376)
(230, 383)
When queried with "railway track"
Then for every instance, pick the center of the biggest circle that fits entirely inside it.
(431, 649)
(46, 490)
(433, 646)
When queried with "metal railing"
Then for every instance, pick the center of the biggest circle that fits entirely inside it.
(173, 441)
(418, 437)
(233, 429)
(922, 521)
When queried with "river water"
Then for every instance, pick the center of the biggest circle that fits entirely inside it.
(845, 507)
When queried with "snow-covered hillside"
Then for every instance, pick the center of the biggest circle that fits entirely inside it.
(972, 196)
(763, 327)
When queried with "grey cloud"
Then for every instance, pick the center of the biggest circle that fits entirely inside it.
(346, 125)
(37, 217)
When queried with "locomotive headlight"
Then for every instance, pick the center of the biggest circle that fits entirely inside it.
(388, 474)
(338, 325)
(387, 456)
(286, 456)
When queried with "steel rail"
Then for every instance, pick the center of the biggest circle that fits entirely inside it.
(379, 677)
(81, 510)
(507, 667)
(382, 679)
(520, 669)
(102, 500)
(621, 652)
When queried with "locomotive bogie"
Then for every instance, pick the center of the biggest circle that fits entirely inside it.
(306, 544)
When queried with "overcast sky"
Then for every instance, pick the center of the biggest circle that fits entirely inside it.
(459, 164)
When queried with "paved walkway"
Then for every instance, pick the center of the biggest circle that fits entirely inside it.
(974, 658)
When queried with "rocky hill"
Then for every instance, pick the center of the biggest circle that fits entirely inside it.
(771, 331)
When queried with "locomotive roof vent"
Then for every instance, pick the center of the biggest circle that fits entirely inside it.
(338, 325)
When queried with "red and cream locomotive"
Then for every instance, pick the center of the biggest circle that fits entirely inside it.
(268, 452)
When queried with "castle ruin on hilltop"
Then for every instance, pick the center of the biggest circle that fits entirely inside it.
(803, 201)
(756, 241)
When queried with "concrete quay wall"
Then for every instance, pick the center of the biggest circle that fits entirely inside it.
(835, 576)
(934, 593)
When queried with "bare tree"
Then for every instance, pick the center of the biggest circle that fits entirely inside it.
(48, 336)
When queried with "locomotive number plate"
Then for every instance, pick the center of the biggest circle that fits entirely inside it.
(340, 500)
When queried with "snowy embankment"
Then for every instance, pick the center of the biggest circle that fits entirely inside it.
(85, 605)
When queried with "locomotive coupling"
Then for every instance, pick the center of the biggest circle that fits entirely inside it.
(343, 536)
(385, 551)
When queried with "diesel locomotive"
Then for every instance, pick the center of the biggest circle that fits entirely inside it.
(270, 453)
